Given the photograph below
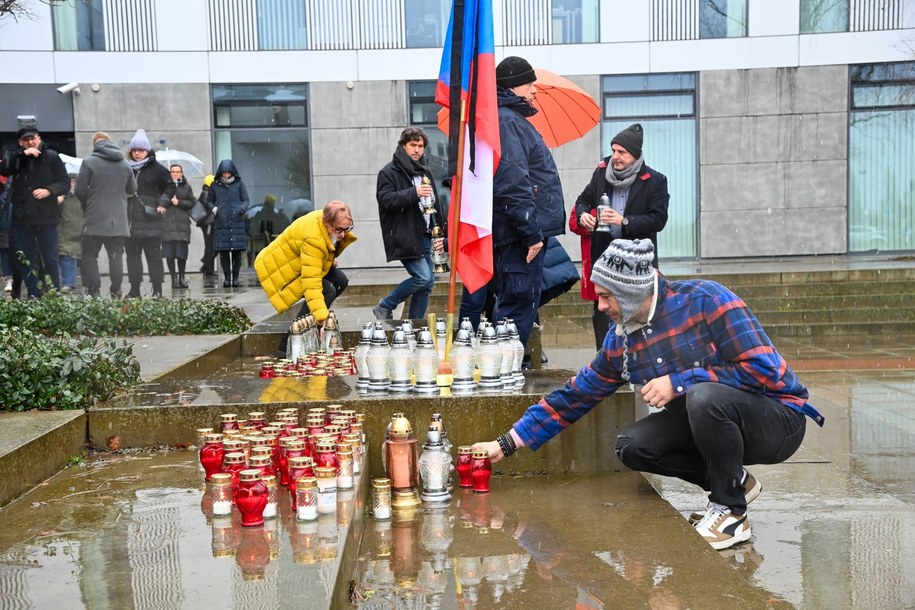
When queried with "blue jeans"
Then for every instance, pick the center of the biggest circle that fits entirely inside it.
(38, 244)
(707, 435)
(67, 266)
(418, 285)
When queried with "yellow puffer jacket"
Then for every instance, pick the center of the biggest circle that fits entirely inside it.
(294, 264)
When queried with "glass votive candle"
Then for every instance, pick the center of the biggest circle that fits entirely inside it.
(481, 471)
(301, 466)
(270, 509)
(327, 489)
(228, 421)
(345, 469)
(381, 498)
(211, 455)
(263, 463)
(233, 463)
(355, 443)
(306, 499)
(257, 419)
(221, 493)
(464, 465)
(251, 497)
(332, 411)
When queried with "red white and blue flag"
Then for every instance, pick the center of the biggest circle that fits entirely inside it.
(468, 75)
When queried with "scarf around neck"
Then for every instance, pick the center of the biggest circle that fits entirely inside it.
(627, 176)
(413, 168)
(135, 165)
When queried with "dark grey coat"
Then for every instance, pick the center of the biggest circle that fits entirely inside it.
(104, 182)
(177, 220)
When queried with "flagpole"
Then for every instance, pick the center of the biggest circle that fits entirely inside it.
(455, 228)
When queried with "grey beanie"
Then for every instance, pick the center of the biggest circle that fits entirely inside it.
(625, 270)
(514, 71)
(630, 139)
(140, 141)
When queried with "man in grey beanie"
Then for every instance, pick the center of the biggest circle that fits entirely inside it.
(723, 395)
(638, 200)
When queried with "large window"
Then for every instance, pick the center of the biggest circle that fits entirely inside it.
(575, 21)
(427, 21)
(722, 18)
(665, 105)
(819, 16)
(881, 158)
(79, 25)
(424, 113)
(264, 130)
(281, 25)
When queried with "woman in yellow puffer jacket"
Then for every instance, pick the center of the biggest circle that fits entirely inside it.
(302, 261)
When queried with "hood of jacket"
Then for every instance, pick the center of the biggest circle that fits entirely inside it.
(105, 149)
(226, 165)
(508, 98)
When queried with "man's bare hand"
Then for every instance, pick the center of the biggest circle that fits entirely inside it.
(588, 221)
(533, 250)
(658, 392)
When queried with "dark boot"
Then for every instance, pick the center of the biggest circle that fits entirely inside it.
(182, 282)
(175, 282)
(134, 292)
(157, 290)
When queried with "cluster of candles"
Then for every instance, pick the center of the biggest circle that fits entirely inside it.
(314, 364)
(404, 468)
(488, 360)
(247, 461)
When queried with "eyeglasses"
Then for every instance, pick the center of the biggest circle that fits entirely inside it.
(344, 230)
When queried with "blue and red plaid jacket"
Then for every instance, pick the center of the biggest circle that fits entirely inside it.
(700, 332)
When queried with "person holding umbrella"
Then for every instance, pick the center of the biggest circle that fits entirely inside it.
(228, 201)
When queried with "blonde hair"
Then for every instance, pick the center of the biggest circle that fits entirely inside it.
(98, 136)
(334, 210)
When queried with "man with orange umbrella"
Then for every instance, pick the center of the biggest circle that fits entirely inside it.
(527, 203)
(637, 197)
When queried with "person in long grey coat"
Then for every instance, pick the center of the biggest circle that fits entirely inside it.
(229, 202)
(103, 184)
(178, 199)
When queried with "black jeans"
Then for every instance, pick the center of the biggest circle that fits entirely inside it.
(114, 248)
(708, 435)
(151, 247)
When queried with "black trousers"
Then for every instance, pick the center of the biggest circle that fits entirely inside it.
(707, 436)
(151, 247)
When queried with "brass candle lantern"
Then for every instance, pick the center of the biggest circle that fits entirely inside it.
(435, 468)
(425, 364)
(400, 363)
(402, 464)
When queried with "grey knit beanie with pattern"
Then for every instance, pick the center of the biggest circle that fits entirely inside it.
(625, 270)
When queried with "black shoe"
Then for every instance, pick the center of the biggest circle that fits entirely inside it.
(227, 283)
(543, 358)
(182, 283)
(236, 283)
(175, 285)
(133, 294)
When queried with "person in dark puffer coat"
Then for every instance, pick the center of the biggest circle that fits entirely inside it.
(178, 199)
(146, 214)
(229, 202)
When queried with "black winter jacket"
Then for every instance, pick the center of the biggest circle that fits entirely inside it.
(527, 194)
(177, 220)
(402, 222)
(152, 180)
(646, 207)
(46, 171)
(231, 202)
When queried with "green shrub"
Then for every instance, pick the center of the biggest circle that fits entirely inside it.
(56, 315)
(39, 372)
(55, 354)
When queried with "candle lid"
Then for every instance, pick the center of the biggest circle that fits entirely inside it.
(465, 450)
(300, 462)
(299, 432)
(480, 453)
(326, 472)
(236, 457)
(269, 480)
(256, 415)
(229, 417)
(221, 478)
(306, 483)
(204, 431)
(260, 460)
(250, 475)
(213, 438)
(381, 482)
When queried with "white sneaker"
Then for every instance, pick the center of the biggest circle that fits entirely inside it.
(723, 529)
(8, 287)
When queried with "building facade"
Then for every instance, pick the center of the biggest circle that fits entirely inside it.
(785, 127)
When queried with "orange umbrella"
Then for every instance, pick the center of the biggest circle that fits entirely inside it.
(566, 112)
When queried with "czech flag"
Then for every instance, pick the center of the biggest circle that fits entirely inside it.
(468, 74)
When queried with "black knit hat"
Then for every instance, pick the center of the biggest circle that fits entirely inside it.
(630, 139)
(514, 71)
